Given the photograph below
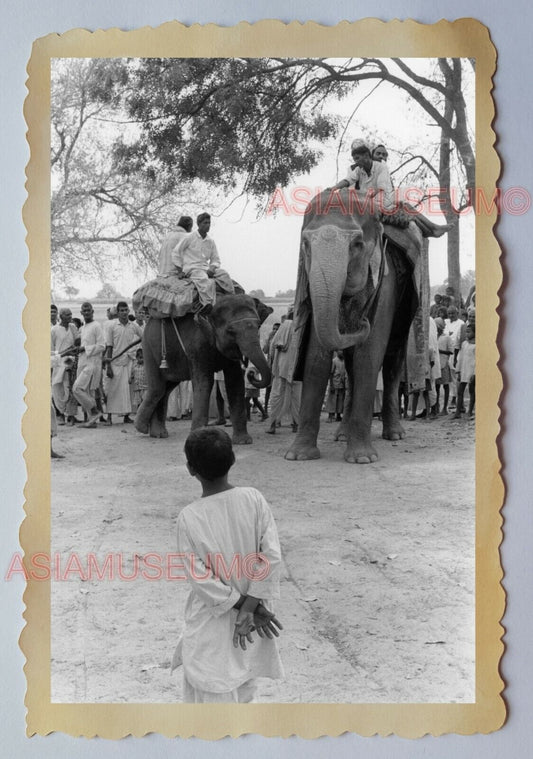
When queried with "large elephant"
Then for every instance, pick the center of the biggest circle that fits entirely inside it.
(195, 350)
(356, 294)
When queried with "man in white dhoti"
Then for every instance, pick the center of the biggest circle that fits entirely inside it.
(63, 336)
(89, 364)
(230, 549)
(121, 334)
(196, 257)
(286, 393)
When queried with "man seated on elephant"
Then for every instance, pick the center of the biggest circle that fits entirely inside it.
(196, 257)
(372, 178)
(369, 177)
(183, 228)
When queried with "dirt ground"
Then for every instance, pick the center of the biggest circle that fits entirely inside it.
(377, 596)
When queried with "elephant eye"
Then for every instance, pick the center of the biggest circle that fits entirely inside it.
(357, 241)
(306, 249)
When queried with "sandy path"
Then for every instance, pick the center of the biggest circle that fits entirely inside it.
(378, 586)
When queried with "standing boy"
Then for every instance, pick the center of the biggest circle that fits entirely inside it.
(229, 545)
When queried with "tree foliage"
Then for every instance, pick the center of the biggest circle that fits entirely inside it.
(101, 217)
(108, 292)
(135, 141)
(263, 120)
(234, 123)
(259, 293)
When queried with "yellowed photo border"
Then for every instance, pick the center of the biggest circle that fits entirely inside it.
(373, 38)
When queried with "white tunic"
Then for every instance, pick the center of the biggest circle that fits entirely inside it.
(227, 532)
(166, 264)
(196, 252)
(117, 389)
(90, 360)
(377, 183)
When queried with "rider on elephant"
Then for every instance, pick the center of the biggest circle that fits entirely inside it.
(183, 228)
(372, 178)
(196, 257)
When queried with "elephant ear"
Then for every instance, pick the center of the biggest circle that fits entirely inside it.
(207, 328)
(263, 311)
(302, 301)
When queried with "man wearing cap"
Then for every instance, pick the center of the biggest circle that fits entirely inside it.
(369, 177)
(373, 179)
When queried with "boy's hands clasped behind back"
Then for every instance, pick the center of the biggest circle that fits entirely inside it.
(252, 615)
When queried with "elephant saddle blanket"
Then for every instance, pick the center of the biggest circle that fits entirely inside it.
(169, 296)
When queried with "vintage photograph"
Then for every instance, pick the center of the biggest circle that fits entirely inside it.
(258, 238)
(264, 444)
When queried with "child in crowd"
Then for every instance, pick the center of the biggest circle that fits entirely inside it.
(445, 351)
(466, 370)
(229, 545)
(337, 388)
(138, 380)
(251, 393)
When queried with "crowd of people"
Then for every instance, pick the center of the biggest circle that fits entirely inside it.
(97, 369)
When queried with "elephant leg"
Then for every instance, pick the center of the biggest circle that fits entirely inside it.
(367, 363)
(202, 383)
(392, 367)
(145, 412)
(158, 427)
(237, 407)
(316, 373)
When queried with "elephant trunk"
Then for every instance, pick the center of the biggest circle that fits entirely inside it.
(258, 359)
(327, 281)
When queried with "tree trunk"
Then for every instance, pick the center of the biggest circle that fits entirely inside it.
(453, 81)
(454, 268)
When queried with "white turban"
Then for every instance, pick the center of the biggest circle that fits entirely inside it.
(359, 145)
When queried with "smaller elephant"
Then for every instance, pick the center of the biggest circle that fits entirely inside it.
(195, 350)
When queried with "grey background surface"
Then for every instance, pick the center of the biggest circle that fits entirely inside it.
(510, 26)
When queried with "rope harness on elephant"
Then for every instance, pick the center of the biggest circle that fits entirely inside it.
(244, 319)
(164, 364)
(176, 330)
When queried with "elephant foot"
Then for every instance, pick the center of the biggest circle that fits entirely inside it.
(361, 454)
(302, 452)
(142, 426)
(341, 433)
(242, 438)
(393, 432)
(158, 431)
